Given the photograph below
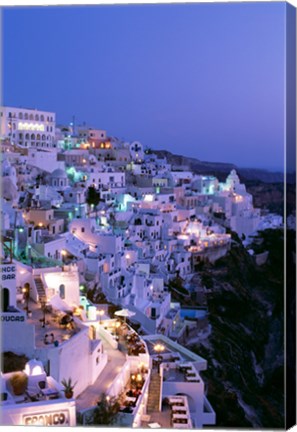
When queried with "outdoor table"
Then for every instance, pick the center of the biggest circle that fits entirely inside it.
(131, 398)
(176, 400)
(186, 365)
(178, 425)
(178, 408)
(180, 416)
(192, 378)
(49, 392)
(190, 373)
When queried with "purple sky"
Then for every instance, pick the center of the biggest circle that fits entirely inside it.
(203, 80)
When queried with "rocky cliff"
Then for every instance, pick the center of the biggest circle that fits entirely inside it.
(245, 350)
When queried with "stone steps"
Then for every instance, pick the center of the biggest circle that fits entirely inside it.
(154, 393)
(40, 288)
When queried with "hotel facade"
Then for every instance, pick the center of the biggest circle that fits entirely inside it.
(26, 128)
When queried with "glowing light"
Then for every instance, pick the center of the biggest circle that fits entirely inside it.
(63, 252)
(33, 368)
(159, 347)
(31, 126)
(127, 256)
(149, 198)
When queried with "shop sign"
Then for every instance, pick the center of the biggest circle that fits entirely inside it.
(53, 418)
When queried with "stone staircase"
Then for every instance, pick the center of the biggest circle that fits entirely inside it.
(154, 393)
(40, 288)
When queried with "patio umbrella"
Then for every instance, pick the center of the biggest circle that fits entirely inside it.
(125, 313)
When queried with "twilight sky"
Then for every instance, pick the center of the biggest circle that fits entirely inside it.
(203, 80)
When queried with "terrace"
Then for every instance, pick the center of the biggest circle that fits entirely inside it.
(52, 327)
(127, 339)
(29, 386)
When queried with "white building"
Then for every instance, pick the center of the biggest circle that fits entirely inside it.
(28, 127)
(89, 134)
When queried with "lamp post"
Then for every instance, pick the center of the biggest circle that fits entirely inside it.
(26, 292)
(63, 254)
(101, 313)
(43, 302)
(117, 326)
(159, 348)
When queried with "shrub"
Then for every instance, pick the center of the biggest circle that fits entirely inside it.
(19, 382)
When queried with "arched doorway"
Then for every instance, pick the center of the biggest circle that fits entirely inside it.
(62, 291)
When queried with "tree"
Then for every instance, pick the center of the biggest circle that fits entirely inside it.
(93, 197)
(105, 412)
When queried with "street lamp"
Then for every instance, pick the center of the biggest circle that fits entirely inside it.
(26, 292)
(101, 313)
(63, 253)
(159, 348)
(117, 326)
(43, 302)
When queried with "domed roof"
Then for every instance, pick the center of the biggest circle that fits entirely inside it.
(58, 173)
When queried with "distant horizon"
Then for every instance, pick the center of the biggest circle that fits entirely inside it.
(203, 79)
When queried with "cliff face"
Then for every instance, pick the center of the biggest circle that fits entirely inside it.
(245, 351)
(221, 170)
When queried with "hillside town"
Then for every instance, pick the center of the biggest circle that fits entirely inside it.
(98, 238)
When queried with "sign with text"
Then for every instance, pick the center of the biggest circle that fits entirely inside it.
(8, 276)
(52, 418)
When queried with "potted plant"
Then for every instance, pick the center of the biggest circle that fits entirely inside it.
(68, 387)
(19, 382)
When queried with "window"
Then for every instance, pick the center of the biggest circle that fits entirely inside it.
(42, 118)
(26, 116)
(32, 136)
(31, 117)
(20, 115)
(82, 229)
(20, 136)
(37, 117)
